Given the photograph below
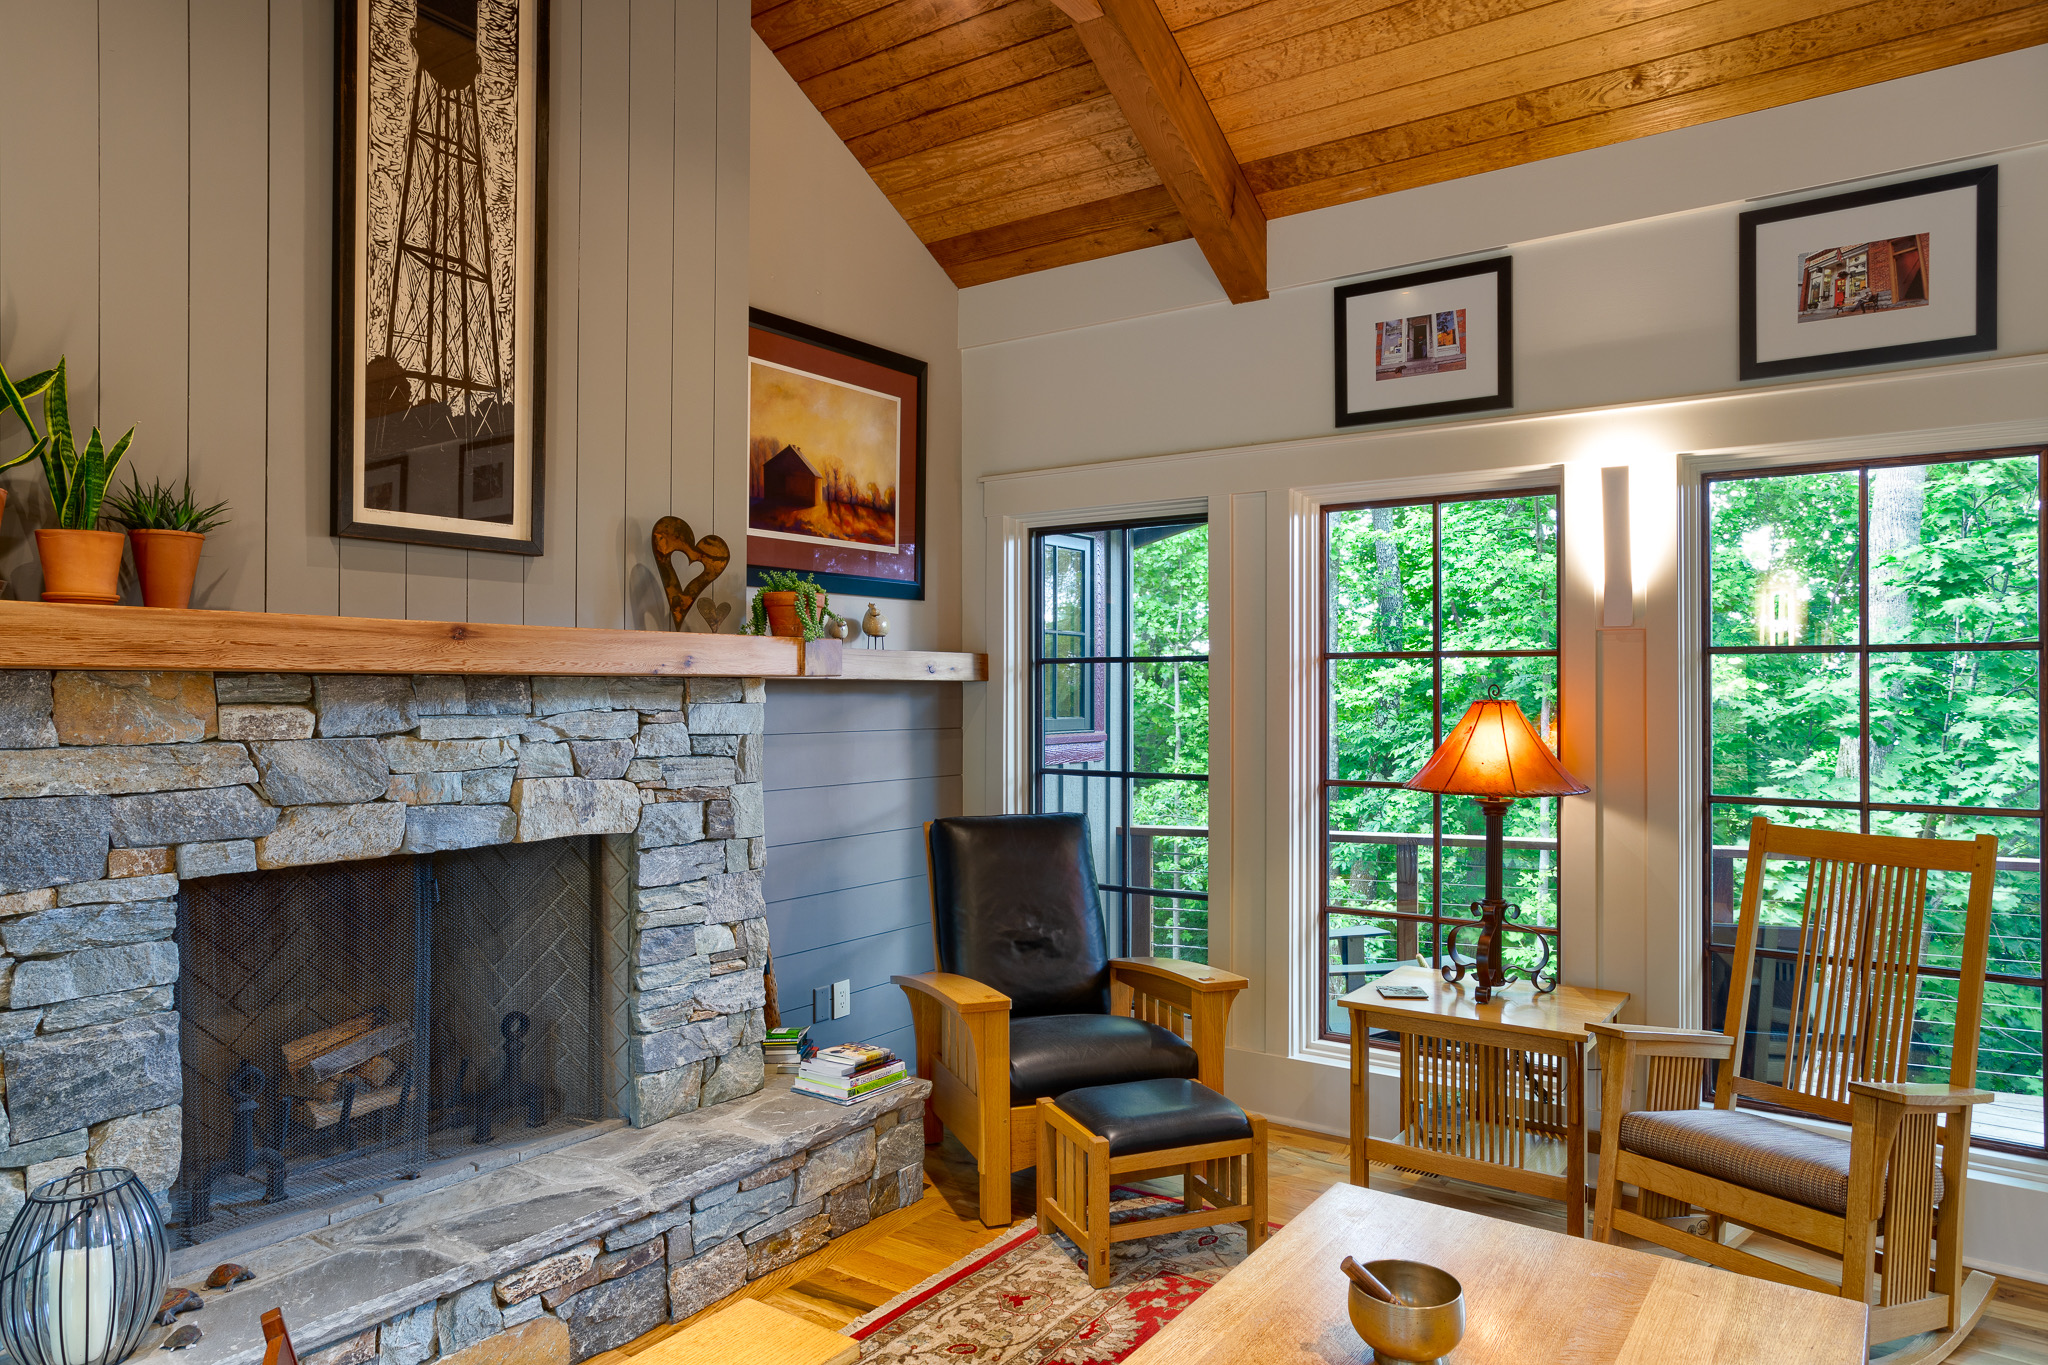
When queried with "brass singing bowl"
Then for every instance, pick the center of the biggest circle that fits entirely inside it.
(1426, 1329)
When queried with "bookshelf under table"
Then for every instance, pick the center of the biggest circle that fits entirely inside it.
(1494, 1093)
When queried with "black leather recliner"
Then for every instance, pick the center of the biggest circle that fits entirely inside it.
(1027, 1002)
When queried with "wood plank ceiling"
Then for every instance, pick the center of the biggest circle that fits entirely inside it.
(999, 128)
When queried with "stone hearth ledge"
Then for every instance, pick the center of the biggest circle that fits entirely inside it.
(594, 1244)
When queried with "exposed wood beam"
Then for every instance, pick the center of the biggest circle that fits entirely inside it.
(1142, 65)
(1127, 222)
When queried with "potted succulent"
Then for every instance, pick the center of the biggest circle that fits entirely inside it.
(789, 604)
(81, 563)
(166, 529)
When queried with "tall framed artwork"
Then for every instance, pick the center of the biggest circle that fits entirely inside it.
(1877, 276)
(440, 242)
(1430, 343)
(836, 454)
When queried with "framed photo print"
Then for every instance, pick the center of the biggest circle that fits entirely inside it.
(1872, 277)
(441, 162)
(1430, 343)
(835, 444)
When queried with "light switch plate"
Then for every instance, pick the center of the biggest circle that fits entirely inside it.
(842, 999)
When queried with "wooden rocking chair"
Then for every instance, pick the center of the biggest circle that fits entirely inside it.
(1888, 1198)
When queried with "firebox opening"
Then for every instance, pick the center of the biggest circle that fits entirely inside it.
(346, 1026)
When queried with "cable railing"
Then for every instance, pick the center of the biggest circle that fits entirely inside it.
(1167, 920)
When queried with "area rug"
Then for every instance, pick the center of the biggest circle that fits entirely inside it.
(1024, 1299)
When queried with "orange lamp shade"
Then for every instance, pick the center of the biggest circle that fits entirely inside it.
(1494, 751)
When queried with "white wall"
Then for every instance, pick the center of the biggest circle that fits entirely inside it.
(827, 248)
(1126, 383)
(166, 205)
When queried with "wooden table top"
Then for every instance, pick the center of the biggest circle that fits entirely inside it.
(1530, 1295)
(1562, 1015)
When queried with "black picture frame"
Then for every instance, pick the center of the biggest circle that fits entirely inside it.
(350, 516)
(1984, 289)
(1444, 288)
(837, 566)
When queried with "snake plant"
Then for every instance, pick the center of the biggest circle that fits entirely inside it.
(77, 478)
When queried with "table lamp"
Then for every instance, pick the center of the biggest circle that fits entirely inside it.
(1495, 755)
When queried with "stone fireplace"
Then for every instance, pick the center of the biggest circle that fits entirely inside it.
(435, 1000)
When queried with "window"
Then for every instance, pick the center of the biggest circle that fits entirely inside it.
(1072, 626)
(1121, 676)
(1429, 605)
(1873, 662)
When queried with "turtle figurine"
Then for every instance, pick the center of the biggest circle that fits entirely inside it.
(227, 1275)
(177, 1301)
(183, 1339)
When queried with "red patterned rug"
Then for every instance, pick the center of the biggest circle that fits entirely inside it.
(1024, 1299)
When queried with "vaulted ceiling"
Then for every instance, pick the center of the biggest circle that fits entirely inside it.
(1018, 135)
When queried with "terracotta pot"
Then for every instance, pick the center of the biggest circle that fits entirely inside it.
(166, 562)
(782, 619)
(81, 566)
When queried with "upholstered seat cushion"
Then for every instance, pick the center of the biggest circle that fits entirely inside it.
(1052, 1053)
(1749, 1150)
(1150, 1116)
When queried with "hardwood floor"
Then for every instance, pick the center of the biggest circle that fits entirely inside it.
(867, 1268)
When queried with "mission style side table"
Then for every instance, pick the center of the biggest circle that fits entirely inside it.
(1493, 1093)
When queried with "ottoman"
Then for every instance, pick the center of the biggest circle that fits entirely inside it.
(1092, 1138)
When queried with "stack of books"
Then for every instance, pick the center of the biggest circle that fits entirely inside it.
(849, 1072)
(783, 1052)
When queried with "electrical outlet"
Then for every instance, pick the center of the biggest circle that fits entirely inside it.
(842, 999)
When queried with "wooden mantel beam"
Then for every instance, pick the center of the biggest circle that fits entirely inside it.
(132, 639)
(1136, 55)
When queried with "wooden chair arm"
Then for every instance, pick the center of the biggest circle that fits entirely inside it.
(960, 994)
(1663, 1042)
(1194, 975)
(1919, 1095)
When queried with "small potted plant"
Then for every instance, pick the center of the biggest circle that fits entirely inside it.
(789, 604)
(15, 401)
(166, 529)
(81, 563)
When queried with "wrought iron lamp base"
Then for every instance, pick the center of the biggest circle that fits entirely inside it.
(1490, 971)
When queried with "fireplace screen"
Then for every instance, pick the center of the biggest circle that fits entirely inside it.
(347, 1027)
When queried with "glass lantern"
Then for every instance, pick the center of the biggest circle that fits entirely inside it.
(83, 1270)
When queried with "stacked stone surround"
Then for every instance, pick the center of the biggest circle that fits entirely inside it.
(115, 787)
(561, 1256)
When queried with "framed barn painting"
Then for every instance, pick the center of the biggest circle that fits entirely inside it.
(1877, 276)
(441, 158)
(835, 459)
(1431, 343)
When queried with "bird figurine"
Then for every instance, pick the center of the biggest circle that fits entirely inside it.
(839, 628)
(876, 626)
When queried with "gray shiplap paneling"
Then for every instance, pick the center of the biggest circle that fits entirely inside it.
(842, 708)
(853, 772)
(816, 866)
(805, 922)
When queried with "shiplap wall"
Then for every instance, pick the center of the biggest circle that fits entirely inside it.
(853, 772)
(166, 205)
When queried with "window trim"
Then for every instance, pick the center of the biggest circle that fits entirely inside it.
(1696, 548)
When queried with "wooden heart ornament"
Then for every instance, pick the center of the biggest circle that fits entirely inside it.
(710, 554)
